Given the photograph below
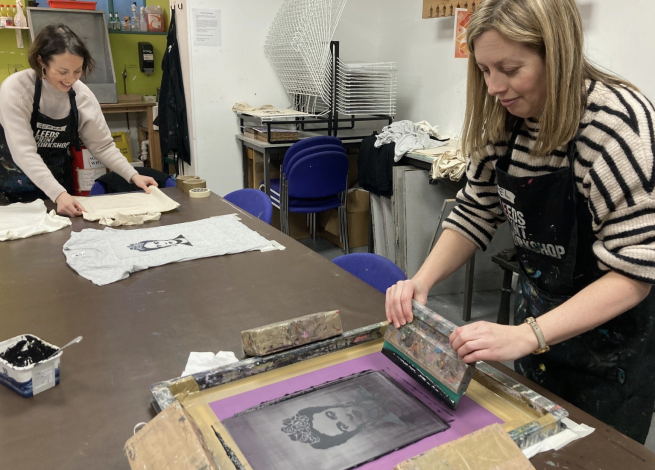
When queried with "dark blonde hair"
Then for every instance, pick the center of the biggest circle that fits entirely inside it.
(57, 39)
(553, 29)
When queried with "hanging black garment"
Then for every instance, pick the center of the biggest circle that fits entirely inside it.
(173, 127)
(609, 371)
(115, 183)
(375, 166)
(53, 137)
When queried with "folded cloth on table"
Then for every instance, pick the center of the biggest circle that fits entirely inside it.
(22, 220)
(120, 209)
(202, 361)
(266, 110)
(449, 161)
(406, 137)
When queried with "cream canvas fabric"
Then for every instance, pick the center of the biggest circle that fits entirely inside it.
(22, 220)
(127, 208)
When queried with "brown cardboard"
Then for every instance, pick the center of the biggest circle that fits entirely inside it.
(170, 441)
(256, 169)
(358, 210)
(298, 228)
(289, 334)
(353, 154)
(489, 448)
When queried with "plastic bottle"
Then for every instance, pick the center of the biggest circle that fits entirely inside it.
(117, 22)
(126, 23)
(155, 19)
(13, 12)
(19, 18)
(2, 10)
(134, 20)
(143, 24)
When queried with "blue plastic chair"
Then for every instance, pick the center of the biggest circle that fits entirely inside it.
(315, 183)
(288, 163)
(253, 201)
(375, 270)
(97, 189)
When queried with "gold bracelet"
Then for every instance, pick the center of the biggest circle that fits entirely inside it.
(543, 347)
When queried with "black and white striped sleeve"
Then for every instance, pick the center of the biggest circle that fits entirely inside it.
(617, 145)
(478, 212)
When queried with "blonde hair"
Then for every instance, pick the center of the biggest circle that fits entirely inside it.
(553, 29)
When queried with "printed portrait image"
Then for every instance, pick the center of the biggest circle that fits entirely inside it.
(152, 245)
(335, 426)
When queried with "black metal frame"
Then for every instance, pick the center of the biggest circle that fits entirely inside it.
(333, 119)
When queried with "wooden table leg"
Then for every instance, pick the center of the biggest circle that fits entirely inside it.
(156, 162)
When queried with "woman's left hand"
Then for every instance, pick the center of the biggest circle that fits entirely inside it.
(143, 182)
(484, 341)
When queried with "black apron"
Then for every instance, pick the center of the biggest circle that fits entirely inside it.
(609, 371)
(53, 137)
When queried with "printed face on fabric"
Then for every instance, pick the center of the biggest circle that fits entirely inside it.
(63, 70)
(151, 245)
(514, 74)
(323, 427)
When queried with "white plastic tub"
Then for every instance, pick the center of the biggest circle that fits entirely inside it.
(32, 379)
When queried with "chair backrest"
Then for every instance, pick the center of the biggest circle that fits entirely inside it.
(308, 151)
(375, 270)
(319, 175)
(308, 143)
(254, 201)
(98, 188)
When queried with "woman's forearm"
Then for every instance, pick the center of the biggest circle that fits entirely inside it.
(599, 302)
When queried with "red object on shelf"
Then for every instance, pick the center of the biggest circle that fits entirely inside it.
(72, 5)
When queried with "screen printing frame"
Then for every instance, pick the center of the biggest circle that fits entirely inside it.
(528, 416)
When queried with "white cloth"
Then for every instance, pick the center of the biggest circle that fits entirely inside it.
(127, 208)
(573, 432)
(407, 138)
(22, 220)
(16, 98)
(109, 255)
(202, 361)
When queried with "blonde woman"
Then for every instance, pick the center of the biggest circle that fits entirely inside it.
(565, 153)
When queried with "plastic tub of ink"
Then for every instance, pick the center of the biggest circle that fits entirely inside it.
(29, 365)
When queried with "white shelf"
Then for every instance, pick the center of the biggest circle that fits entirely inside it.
(14, 27)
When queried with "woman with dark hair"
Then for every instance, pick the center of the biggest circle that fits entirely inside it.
(43, 111)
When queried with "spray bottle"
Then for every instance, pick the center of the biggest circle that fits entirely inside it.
(19, 19)
(134, 21)
(144, 23)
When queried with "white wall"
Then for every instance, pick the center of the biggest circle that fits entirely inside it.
(431, 83)
(238, 71)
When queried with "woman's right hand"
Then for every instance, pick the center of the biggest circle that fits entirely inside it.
(399, 300)
(67, 205)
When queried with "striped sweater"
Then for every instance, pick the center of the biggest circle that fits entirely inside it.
(614, 172)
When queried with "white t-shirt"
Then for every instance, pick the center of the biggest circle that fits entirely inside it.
(109, 255)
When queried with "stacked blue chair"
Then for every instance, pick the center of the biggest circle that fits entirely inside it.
(252, 201)
(316, 182)
(307, 204)
(375, 270)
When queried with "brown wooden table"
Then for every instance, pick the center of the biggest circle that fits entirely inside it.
(140, 331)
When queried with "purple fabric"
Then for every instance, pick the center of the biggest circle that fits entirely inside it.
(469, 416)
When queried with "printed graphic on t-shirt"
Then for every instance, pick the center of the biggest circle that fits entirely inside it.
(152, 245)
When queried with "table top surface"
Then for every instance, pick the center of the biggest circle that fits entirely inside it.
(348, 136)
(133, 105)
(140, 331)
